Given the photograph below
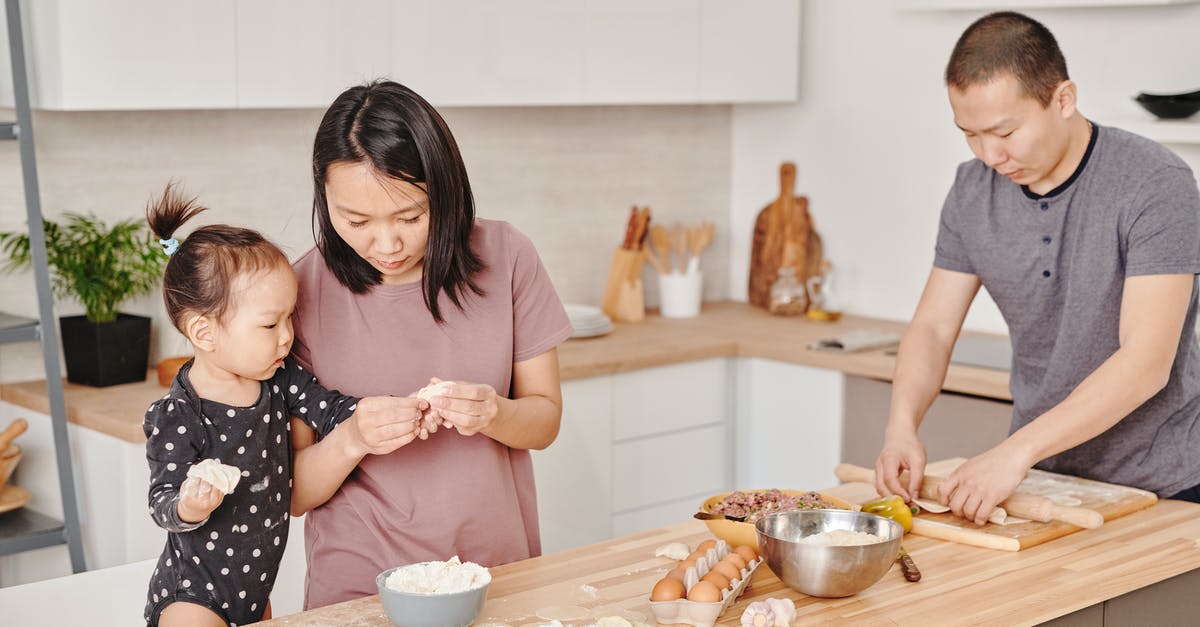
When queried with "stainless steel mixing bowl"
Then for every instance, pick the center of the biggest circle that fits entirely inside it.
(827, 571)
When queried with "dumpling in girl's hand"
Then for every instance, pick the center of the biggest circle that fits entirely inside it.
(223, 477)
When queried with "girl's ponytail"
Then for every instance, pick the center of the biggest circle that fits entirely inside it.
(168, 214)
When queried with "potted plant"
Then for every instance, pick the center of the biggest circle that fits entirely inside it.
(101, 267)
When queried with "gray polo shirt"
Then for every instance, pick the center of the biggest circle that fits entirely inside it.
(1056, 264)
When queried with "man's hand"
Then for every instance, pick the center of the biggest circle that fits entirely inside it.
(197, 499)
(382, 424)
(975, 488)
(900, 452)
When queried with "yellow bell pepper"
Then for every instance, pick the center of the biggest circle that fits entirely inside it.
(892, 507)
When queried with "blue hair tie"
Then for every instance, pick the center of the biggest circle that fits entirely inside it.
(169, 245)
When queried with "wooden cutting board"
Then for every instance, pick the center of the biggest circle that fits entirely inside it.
(783, 234)
(1112, 501)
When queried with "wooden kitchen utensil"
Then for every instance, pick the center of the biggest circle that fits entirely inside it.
(1108, 500)
(772, 235)
(10, 433)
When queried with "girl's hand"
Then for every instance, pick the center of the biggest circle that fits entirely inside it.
(382, 424)
(197, 499)
(468, 407)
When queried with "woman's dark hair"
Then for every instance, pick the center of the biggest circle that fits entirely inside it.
(400, 135)
(201, 271)
(1008, 43)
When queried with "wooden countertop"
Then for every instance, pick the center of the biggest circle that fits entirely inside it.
(960, 585)
(723, 329)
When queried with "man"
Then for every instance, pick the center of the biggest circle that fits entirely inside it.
(1088, 240)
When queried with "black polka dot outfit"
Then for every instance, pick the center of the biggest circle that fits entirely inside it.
(228, 562)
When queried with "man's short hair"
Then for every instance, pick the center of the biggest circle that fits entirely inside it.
(1008, 43)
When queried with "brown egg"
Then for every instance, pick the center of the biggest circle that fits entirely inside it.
(706, 545)
(727, 569)
(687, 563)
(717, 579)
(704, 592)
(735, 559)
(677, 574)
(667, 589)
(747, 553)
(697, 554)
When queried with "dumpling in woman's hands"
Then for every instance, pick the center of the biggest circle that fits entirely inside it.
(441, 388)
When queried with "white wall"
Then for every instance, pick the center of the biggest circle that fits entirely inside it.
(565, 176)
(874, 141)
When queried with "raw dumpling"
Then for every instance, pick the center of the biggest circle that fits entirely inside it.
(434, 389)
(223, 477)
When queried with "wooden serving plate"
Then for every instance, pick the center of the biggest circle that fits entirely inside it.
(12, 497)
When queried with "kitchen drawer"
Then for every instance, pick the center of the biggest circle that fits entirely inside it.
(656, 470)
(670, 398)
(657, 516)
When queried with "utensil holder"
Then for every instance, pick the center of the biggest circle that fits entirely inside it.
(679, 295)
(624, 294)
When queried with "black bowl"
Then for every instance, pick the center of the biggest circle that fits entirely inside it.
(1170, 106)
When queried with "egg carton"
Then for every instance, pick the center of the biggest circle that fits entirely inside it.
(683, 611)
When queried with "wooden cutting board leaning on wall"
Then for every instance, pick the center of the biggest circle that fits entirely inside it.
(783, 235)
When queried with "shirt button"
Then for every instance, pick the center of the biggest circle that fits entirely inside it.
(1045, 273)
(1045, 206)
(1046, 240)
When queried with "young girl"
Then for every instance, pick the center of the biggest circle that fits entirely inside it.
(231, 292)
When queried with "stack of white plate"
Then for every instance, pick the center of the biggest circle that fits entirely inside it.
(588, 321)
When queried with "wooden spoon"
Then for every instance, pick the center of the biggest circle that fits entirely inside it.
(661, 240)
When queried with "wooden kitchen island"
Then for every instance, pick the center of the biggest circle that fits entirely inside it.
(1141, 569)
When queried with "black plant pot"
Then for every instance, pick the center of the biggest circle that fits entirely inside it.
(107, 353)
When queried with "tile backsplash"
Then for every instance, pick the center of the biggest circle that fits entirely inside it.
(565, 176)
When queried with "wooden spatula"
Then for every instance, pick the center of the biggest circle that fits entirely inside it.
(660, 239)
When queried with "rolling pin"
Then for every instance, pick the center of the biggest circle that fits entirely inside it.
(1029, 506)
(17, 427)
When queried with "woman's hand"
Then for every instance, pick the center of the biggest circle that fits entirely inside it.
(382, 424)
(468, 407)
(900, 452)
(975, 488)
(197, 499)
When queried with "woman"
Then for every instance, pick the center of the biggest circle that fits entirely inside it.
(404, 286)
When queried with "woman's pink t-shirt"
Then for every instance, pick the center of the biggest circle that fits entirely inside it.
(450, 494)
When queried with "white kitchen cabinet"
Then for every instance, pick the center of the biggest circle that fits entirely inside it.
(131, 54)
(635, 448)
(221, 54)
(789, 425)
(644, 52)
(671, 398)
(749, 50)
(574, 475)
(491, 53)
(303, 53)
(661, 515)
(651, 471)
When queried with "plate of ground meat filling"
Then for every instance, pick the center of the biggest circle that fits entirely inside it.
(743, 508)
